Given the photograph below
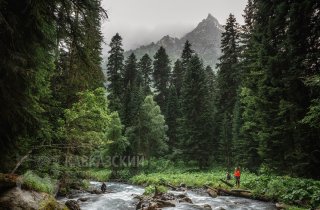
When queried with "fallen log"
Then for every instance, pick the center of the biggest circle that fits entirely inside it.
(243, 194)
(240, 190)
(238, 193)
(227, 183)
(171, 186)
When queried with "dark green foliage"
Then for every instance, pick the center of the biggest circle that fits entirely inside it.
(246, 121)
(161, 76)
(177, 76)
(133, 93)
(115, 72)
(145, 67)
(186, 55)
(228, 78)
(274, 97)
(173, 112)
(261, 110)
(31, 32)
(119, 142)
(147, 135)
(197, 114)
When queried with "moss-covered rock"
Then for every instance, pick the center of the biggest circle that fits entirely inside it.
(17, 199)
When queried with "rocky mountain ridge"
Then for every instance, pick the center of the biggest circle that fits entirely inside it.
(205, 40)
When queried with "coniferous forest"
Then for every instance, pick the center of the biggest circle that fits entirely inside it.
(62, 115)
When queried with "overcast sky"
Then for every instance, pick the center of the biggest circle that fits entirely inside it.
(143, 21)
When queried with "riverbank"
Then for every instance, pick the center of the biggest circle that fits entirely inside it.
(296, 193)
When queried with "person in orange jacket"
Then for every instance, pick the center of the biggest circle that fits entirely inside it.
(237, 174)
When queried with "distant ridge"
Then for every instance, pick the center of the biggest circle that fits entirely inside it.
(205, 40)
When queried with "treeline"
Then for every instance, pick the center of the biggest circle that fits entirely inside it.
(53, 99)
(260, 110)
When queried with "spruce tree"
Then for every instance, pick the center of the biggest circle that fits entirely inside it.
(246, 120)
(197, 114)
(186, 55)
(145, 68)
(173, 112)
(283, 95)
(211, 80)
(148, 134)
(228, 84)
(177, 76)
(161, 76)
(115, 73)
(133, 92)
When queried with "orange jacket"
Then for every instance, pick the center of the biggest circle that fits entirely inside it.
(237, 173)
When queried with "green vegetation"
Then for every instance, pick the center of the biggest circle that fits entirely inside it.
(297, 191)
(260, 110)
(32, 181)
(151, 189)
(101, 175)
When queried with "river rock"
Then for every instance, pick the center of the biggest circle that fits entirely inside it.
(281, 206)
(207, 207)
(183, 185)
(160, 201)
(84, 199)
(72, 205)
(164, 204)
(95, 191)
(185, 200)
(17, 199)
(212, 193)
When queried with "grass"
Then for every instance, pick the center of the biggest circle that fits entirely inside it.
(100, 175)
(294, 191)
(32, 181)
(150, 190)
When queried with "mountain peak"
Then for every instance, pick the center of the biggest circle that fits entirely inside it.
(205, 40)
(211, 18)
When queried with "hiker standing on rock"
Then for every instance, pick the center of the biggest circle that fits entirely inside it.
(237, 174)
(103, 187)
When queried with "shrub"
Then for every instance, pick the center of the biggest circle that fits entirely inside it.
(101, 175)
(150, 190)
(32, 181)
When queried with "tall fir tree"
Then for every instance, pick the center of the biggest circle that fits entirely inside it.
(228, 84)
(161, 76)
(186, 55)
(115, 71)
(145, 67)
(246, 121)
(30, 115)
(133, 92)
(177, 76)
(172, 120)
(211, 80)
(283, 95)
(197, 114)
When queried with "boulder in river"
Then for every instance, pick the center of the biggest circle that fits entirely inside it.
(212, 193)
(83, 199)
(164, 204)
(72, 205)
(183, 198)
(207, 207)
(95, 191)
